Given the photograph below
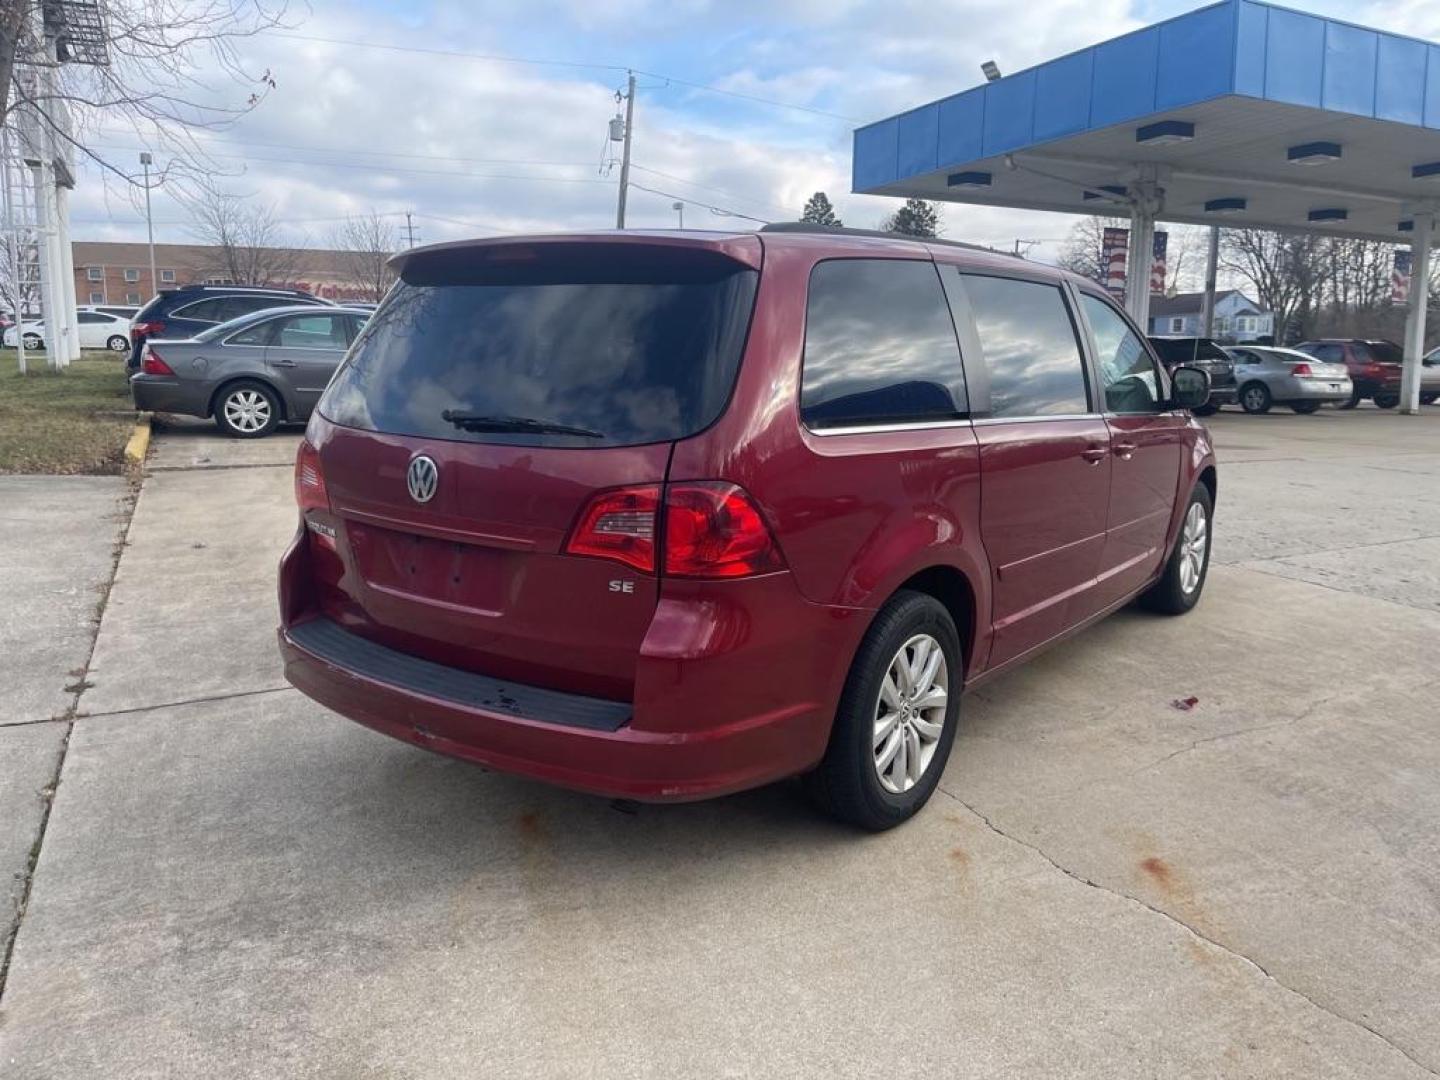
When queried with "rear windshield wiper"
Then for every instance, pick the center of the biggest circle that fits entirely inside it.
(469, 421)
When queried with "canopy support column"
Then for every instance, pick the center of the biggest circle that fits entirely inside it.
(1415, 322)
(1147, 198)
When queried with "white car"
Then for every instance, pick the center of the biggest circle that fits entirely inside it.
(98, 330)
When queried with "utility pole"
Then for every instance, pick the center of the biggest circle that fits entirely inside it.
(625, 153)
(679, 208)
(145, 160)
(409, 230)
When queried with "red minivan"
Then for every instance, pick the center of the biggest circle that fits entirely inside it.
(667, 515)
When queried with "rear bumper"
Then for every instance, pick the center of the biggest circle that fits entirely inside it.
(1222, 395)
(713, 713)
(166, 393)
(1314, 390)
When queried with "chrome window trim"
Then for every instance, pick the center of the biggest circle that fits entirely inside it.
(872, 429)
(1034, 419)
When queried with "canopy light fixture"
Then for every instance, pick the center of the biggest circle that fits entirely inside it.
(1225, 206)
(1329, 213)
(991, 70)
(1314, 153)
(1406, 226)
(1429, 171)
(1165, 133)
(968, 179)
(1118, 190)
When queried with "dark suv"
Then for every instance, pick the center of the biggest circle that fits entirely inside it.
(1375, 367)
(664, 516)
(1205, 354)
(185, 312)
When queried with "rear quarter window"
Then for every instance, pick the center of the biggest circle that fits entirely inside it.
(880, 346)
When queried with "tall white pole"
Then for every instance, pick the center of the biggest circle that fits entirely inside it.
(1419, 301)
(149, 229)
(625, 153)
(67, 273)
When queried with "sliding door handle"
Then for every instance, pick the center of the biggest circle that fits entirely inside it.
(1123, 450)
(1094, 454)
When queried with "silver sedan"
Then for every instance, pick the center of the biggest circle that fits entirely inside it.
(1269, 376)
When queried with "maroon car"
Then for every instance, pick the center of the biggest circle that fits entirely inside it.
(668, 515)
(1375, 367)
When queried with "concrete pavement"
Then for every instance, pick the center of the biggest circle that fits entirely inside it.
(242, 884)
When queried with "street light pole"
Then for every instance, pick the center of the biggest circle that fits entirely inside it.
(145, 160)
(679, 208)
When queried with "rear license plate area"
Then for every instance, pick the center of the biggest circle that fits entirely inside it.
(425, 568)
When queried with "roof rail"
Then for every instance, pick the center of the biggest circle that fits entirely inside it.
(840, 230)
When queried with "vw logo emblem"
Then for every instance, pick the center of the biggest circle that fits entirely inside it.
(422, 478)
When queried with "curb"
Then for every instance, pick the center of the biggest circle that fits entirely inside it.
(139, 444)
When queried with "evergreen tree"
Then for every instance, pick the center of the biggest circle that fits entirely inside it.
(818, 211)
(916, 218)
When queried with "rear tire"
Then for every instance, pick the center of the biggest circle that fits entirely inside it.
(854, 782)
(1429, 399)
(118, 344)
(1386, 401)
(1206, 410)
(247, 409)
(1355, 399)
(1180, 586)
(1305, 408)
(33, 342)
(1255, 398)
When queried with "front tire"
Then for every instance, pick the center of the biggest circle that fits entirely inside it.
(118, 344)
(247, 410)
(1255, 398)
(33, 342)
(1386, 401)
(1305, 408)
(1179, 587)
(897, 716)
(1429, 399)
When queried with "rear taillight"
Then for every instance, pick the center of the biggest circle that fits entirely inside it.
(310, 493)
(712, 530)
(146, 329)
(1301, 369)
(152, 364)
(619, 525)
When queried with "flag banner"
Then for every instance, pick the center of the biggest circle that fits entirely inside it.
(1400, 277)
(1157, 264)
(1113, 246)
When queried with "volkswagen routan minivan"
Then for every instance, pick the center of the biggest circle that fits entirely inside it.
(663, 516)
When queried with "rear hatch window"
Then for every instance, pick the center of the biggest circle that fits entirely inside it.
(550, 345)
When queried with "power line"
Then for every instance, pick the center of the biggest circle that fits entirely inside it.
(722, 211)
(503, 58)
(707, 187)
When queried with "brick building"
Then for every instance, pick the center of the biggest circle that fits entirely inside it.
(119, 273)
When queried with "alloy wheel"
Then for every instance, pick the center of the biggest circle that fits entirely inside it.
(247, 411)
(1254, 399)
(910, 713)
(1194, 538)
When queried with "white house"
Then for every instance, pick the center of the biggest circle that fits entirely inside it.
(1237, 317)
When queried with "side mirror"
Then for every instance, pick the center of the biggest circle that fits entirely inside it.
(1189, 387)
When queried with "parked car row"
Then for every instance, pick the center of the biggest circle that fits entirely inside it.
(1331, 371)
(101, 327)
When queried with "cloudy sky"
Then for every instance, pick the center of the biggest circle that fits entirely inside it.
(491, 117)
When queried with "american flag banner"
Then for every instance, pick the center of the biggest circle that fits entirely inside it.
(1113, 246)
(1400, 277)
(1157, 264)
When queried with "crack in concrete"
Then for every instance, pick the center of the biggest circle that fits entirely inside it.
(1139, 902)
(51, 789)
(1247, 566)
(184, 701)
(220, 468)
(1304, 714)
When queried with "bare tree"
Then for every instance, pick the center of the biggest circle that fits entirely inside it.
(246, 242)
(366, 243)
(1287, 271)
(149, 66)
(1083, 251)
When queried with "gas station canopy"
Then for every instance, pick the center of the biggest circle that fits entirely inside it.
(1237, 114)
